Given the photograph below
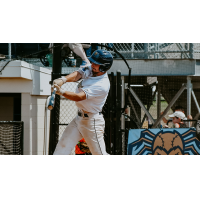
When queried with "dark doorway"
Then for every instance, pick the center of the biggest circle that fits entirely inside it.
(11, 106)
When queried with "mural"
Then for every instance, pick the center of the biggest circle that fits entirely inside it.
(180, 141)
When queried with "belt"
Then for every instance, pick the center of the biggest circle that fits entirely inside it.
(85, 114)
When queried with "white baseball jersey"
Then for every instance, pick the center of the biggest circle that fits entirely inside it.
(95, 88)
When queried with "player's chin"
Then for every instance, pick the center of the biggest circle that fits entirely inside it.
(95, 73)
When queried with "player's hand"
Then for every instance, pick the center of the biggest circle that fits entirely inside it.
(166, 126)
(59, 82)
(59, 91)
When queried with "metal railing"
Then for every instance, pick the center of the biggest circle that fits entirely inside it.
(158, 50)
(138, 51)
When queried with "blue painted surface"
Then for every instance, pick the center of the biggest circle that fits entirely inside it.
(180, 141)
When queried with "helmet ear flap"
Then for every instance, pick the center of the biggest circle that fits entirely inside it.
(102, 68)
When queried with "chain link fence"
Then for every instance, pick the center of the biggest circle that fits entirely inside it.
(158, 50)
(68, 108)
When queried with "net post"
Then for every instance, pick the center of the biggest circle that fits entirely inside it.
(189, 96)
(191, 51)
(146, 50)
(9, 51)
(112, 112)
(122, 116)
(22, 139)
(158, 99)
(118, 138)
(55, 113)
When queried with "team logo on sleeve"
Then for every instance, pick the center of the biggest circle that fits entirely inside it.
(85, 68)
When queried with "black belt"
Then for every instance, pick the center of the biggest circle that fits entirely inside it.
(84, 114)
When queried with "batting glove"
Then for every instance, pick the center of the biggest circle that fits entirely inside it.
(85, 63)
(59, 91)
(59, 82)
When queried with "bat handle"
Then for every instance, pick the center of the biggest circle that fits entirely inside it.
(54, 90)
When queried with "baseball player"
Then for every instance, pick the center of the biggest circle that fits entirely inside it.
(90, 97)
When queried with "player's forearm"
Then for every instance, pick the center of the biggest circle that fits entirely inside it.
(73, 96)
(73, 77)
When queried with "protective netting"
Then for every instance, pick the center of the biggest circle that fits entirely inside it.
(61, 130)
(148, 90)
(157, 50)
(3, 64)
(155, 93)
(153, 96)
(109, 115)
(66, 69)
(128, 50)
(35, 61)
(11, 138)
(68, 109)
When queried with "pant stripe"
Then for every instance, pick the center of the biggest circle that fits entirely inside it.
(97, 137)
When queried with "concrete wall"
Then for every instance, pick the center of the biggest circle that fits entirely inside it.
(33, 84)
(33, 113)
(36, 78)
(157, 67)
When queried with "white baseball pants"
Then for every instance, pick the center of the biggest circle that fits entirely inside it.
(90, 128)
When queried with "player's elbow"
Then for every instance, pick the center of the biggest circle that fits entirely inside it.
(77, 99)
(80, 97)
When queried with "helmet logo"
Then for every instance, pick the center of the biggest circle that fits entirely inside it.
(96, 55)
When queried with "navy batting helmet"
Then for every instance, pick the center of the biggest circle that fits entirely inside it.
(103, 58)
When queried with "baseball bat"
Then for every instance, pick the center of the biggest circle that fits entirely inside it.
(52, 100)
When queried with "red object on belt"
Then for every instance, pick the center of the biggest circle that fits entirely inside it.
(77, 149)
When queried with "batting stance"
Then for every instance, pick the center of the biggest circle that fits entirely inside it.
(90, 97)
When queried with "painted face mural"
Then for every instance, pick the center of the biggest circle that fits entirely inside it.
(163, 142)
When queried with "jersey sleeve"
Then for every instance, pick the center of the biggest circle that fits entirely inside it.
(94, 92)
(85, 71)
